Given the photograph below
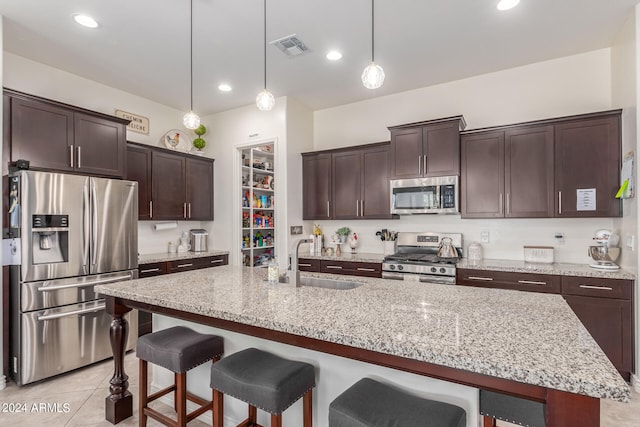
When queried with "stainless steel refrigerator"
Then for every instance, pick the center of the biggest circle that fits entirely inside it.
(72, 232)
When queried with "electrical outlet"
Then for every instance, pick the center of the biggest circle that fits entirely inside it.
(296, 229)
(631, 242)
(484, 236)
(559, 238)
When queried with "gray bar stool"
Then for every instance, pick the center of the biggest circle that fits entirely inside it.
(373, 404)
(265, 381)
(514, 410)
(177, 349)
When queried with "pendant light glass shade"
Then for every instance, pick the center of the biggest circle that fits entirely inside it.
(373, 76)
(191, 120)
(265, 100)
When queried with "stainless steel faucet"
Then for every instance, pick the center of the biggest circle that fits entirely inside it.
(294, 274)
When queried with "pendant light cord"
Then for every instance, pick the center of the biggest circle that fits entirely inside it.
(264, 14)
(191, 54)
(372, 32)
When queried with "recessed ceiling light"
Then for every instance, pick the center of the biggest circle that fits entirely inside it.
(85, 20)
(507, 4)
(224, 87)
(334, 55)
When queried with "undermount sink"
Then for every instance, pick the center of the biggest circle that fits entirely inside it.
(318, 282)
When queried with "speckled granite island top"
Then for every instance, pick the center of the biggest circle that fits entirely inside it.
(560, 269)
(520, 336)
(175, 256)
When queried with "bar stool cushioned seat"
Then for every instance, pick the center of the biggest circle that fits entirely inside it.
(177, 349)
(511, 409)
(262, 379)
(369, 403)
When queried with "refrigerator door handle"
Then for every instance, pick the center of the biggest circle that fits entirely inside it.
(86, 225)
(81, 285)
(98, 307)
(94, 224)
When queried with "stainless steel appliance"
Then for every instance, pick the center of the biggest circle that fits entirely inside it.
(198, 239)
(605, 252)
(437, 195)
(417, 258)
(71, 232)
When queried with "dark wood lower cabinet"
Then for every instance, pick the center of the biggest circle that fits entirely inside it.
(506, 280)
(351, 268)
(145, 324)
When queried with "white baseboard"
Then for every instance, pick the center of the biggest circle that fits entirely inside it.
(635, 382)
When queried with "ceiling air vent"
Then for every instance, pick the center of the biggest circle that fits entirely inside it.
(290, 45)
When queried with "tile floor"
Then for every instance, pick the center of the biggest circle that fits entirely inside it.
(77, 399)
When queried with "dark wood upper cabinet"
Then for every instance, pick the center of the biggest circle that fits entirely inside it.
(42, 133)
(316, 185)
(482, 180)
(139, 170)
(171, 185)
(100, 146)
(347, 183)
(199, 184)
(588, 156)
(54, 136)
(536, 169)
(528, 172)
(426, 149)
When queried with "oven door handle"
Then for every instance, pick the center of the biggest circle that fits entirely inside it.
(394, 276)
(98, 307)
(82, 285)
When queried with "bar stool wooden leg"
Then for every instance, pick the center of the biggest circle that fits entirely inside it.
(489, 422)
(181, 398)
(307, 409)
(276, 420)
(175, 393)
(218, 411)
(253, 415)
(142, 418)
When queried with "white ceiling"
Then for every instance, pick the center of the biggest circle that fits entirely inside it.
(142, 45)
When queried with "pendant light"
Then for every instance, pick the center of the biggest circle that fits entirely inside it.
(265, 100)
(191, 119)
(372, 76)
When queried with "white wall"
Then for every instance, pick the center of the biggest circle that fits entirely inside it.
(565, 86)
(39, 79)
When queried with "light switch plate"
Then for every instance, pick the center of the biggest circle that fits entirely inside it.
(296, 229)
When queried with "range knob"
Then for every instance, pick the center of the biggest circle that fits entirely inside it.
(433, 269)
(392, 266)
(443, 270)
(400, 267)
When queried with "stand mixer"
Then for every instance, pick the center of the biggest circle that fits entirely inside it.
(606, 250)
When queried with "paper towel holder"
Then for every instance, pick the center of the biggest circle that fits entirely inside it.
(165, 225)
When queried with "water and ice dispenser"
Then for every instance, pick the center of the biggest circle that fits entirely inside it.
(50, 238)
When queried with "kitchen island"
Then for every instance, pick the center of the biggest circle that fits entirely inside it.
(527, 345)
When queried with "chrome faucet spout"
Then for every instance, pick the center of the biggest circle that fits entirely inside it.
(294, 275)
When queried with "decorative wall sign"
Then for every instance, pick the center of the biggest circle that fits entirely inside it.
(139, 124)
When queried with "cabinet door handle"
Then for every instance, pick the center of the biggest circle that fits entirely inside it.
(71, 155)
(189, 209)
(425, 163)
(361, 207)
(304, 265)
(185, 265)
(484, 279)
(184, 210)
(79, 159)
(328, 214)
(508, 209)
(365, 269)
(600, 288)
(216, 261)
(500, 204)
(419, 164)
(559, 202)
(531, 282)
(334, 267)
(150, 208)
(357, 207)
(150, 270)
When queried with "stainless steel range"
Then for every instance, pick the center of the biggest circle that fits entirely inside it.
(417, 258)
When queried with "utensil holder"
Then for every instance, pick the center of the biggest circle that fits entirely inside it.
(389, 247)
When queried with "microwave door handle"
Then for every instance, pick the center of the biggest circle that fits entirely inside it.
(438, 198)
(86, 224)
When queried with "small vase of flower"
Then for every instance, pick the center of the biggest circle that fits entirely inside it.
(342, 233)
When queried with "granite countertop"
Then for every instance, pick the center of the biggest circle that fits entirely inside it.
(501, 333)
(561, 269)
(175, 256)
(346, 256)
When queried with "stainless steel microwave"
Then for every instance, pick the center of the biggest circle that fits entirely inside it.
(437, 195)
